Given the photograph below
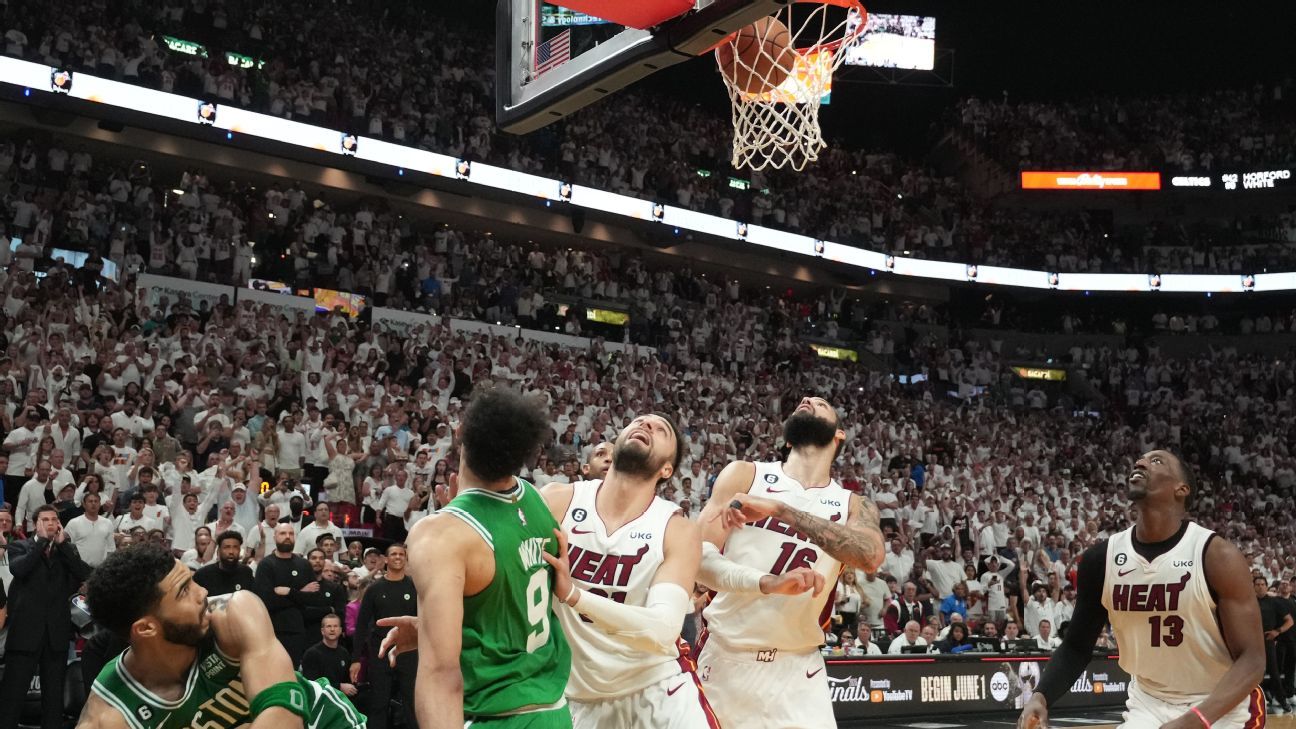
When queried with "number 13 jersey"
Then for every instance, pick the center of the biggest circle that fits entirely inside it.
(793, 623)
(1164, 617)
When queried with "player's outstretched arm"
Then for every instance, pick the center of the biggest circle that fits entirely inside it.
(655, 626)
(439, 548)
(857, 543)
(1070, 658)
(244, 632)
(1229, 575)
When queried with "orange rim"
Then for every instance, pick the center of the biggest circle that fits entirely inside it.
(818, 47)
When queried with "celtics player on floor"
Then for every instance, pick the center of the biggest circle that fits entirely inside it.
(626, 581)
(193, 661)
(760, 662)
(1180, 602)
(490, 651)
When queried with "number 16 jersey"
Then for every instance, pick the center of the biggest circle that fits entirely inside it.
(793, 623)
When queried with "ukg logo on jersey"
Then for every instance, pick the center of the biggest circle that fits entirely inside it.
(858, 690)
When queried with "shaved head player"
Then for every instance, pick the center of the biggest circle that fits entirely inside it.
(1180, 602)
(788, 529)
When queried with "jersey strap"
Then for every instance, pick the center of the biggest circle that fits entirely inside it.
(471, 521)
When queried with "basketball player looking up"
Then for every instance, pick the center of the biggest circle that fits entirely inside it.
(600, 459)
(627, 579)
(489, 652)
(1181, 605)
(760, 662)
(204, 662)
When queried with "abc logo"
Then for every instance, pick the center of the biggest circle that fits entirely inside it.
(999, 686)
(876, 697)
(1098, 687)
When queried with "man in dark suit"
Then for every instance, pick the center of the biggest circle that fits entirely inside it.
(47, 571)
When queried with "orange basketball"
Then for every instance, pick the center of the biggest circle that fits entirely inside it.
(759, 57)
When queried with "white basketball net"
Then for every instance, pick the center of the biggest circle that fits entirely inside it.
(779, 127)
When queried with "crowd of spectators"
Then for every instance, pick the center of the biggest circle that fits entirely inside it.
(1197, 131)
(404, 72)
(143, 418)
(213, 428)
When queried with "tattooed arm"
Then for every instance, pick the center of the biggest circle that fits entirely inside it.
(244, 632)
(856, 543)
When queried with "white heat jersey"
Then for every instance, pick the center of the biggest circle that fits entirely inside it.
(1164, 617)
(786, 622)
(620, 566)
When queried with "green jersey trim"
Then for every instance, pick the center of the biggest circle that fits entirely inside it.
(533, 709)
(115, 702)
(471, 521)
(510, 496)
(349, 711)
(151, 697)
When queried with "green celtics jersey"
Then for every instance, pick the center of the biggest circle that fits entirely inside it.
(213, 698)
(514, 653)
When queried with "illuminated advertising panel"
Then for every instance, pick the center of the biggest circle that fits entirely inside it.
(1040, 373)
(1038, 180)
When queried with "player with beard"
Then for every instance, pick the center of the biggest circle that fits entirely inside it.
(1182, 608)
(626, 581)
(760, 660)
(195, 661)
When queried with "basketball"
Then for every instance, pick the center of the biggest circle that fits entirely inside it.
(759, 57)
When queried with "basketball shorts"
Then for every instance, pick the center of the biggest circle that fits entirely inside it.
(559, 718)
(766, 689)
(675, 702)
(1144, 711)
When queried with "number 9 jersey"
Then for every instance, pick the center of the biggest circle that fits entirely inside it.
(790, 623)
(515, 658)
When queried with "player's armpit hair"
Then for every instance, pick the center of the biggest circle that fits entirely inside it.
(501, 429)
(126, 586)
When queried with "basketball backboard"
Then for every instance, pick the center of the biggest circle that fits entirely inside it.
(552, 60)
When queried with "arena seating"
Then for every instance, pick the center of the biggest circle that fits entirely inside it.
(1229, 413)
(656, 146)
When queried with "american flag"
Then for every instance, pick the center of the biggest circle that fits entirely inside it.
(553, 53)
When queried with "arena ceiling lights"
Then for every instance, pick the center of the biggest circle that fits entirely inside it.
(47, 79)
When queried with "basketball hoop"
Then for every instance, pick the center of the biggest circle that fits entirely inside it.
(777, 71)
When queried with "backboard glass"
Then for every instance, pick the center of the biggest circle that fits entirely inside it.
(553, 60)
